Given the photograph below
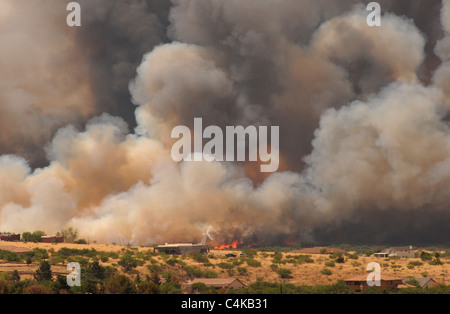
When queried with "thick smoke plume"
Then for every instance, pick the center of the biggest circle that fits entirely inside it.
(87, 113)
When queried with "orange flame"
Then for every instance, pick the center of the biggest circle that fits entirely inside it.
(290, 242)
(233, 245)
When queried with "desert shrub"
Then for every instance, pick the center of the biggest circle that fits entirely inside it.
(436, 261)
(78, 259)
(104, 259)
(326, 272)
(198, 273)
(340, 260)
(170, 288)
(238, 262)
(335, 255)
(57, 260)
(356, 264)
(169, 275)
(201, 288)
(224, 265)
(200, 258)
(128, 262)
(284, 273)
(37, 289)
(68, 252)
(154, 267)
(330, 264)
(147, 287)
(9, 256)
(242, 270)
(291, 261)
(171, 261)
(301, 259)
(277, 257)
(253, 263)
(37, 254)
(210, 274)
(251, 253)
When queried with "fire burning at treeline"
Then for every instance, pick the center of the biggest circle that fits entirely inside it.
(237, 244)
(232, 245)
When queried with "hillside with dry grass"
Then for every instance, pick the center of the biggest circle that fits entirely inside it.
(257, 265)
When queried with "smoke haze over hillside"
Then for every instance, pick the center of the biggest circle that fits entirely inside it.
(86, 116)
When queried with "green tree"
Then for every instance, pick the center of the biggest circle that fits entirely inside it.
(425, 256)
(44, 272)
(340, 260)
(147, 287)
(119, 284)
(96, 270)
(15, 275)
(36, 236)
(70, 234)
(284, 273)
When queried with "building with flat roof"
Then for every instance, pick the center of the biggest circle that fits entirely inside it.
(400, 251)
(10, 237)
(52, 239)
(182, 248)
(218, 283)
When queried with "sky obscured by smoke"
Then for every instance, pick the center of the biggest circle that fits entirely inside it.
(86, 115)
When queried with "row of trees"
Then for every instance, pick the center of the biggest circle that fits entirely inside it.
(70, 235)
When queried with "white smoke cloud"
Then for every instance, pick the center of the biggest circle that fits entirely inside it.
(379, 137)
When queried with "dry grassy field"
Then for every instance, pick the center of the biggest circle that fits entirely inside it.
(301, 274)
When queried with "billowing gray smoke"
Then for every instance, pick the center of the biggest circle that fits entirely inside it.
(363, 116)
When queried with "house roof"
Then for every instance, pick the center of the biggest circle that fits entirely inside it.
(401, 248)
(179, 245)
(382, 278)
(215, 281)
(422, 281)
